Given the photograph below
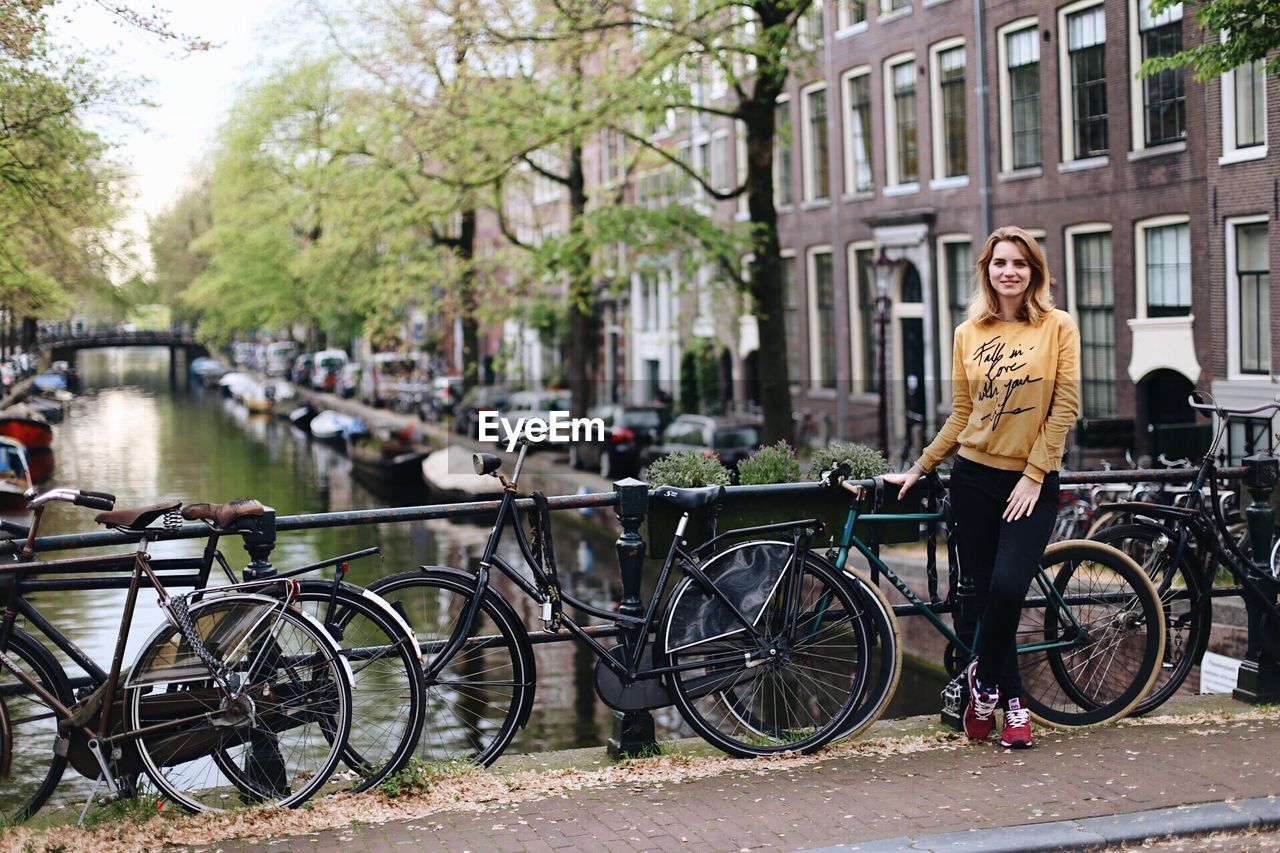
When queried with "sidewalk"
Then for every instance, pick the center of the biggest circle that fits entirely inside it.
(908, 784)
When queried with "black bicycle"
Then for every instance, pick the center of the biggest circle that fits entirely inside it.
(763, 648)
(1182, 547)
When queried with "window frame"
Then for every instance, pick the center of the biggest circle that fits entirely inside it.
(859, 369)
(787, 180)
(1231, 151)
(1006, 92)
(894, 185)
(1138, 130)
(847, 140)
(942, 297)
(1069, 234)
(938, 120)
(817, 11)
(1230, 224)
(1140, 283)
(844, 26)
(809, 150)
(792, 307)
(817, 377)
(1068, 156)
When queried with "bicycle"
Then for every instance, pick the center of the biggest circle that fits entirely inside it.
(388, 697)
(238, 695)
(1092, 630)
(762, 649)
(1182, 547)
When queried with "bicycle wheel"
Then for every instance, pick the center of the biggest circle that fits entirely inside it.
(884, 654)
(387, 698)
(31, 768)
(483, 695)
(1187, 619)
(794, 687)
(274, 742)
(1094, 661)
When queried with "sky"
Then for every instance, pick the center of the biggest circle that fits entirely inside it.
(193, 92)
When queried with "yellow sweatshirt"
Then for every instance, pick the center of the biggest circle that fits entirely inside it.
(1016, 395)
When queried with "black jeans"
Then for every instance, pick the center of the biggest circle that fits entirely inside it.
(1001, 558)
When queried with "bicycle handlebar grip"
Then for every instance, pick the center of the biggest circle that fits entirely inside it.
(14, 527)
(106, 496)
(93, 502)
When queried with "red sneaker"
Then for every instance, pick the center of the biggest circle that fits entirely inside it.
(1017, 725)
(980, 711)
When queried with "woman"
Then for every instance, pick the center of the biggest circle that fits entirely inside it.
(1016, 369)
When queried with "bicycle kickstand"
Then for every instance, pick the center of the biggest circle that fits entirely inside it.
(113, 790)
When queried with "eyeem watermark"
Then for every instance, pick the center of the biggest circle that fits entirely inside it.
(558, 429)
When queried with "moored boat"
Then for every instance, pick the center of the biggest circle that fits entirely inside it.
(335, 427)
(26, 425)
(15, 476)
(386, 458)
(450, 477)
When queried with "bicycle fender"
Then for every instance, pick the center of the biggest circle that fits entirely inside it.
(522, 635)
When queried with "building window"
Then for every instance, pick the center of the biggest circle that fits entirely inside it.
(1253, 277)
(812, 29)
(955, 281)
(1166, 266)
(817, 183)
(1095, 309)
(823, 328)
(720, 162)
(685, 191)
(950, 151)
(902, 122)
(858, 177)
(782, 154)
(1244, 111)
(1164, 95)
(888, 7)
(850, 13)
(1086, 59)
(791, 318)
(1022, 75)
(865, 299)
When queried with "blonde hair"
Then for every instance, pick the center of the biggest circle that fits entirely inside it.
(1037, 300)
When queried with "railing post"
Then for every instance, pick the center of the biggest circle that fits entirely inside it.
(1259, 678)
(259, 534)
(633, 732)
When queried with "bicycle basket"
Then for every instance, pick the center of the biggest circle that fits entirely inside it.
(747, 574)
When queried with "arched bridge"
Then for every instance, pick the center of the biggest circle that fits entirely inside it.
(64, 346)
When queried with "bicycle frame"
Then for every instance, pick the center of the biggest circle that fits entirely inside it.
(849, 540)
(634, 630)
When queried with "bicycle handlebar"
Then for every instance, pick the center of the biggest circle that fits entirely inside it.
(93, 500)
(1212, 407)
(14, 527)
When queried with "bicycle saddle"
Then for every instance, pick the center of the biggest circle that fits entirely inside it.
(689, 499)
(136, 518)
(223, 515)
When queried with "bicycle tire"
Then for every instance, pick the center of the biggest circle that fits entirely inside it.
(1188, 619)
(295, 684)
(476, 705)
(34, 767)
(802, 690)
(1105, 674)
(885, 665)
(388, 701)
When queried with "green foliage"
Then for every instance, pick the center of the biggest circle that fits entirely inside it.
(418, 776)
(865, 462)
(688, 469)
(1253, 28)
(775, 463)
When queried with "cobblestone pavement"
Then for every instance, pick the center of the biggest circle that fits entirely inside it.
(866, 796)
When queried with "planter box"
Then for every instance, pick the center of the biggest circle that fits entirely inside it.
(740, 509)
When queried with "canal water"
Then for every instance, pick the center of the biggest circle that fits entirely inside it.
(129, 434)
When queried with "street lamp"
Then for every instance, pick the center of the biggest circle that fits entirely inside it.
(883, 265)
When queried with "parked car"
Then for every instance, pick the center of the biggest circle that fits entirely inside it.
(280, 355)
(387, 372)
(628, 430)
(732, 440)
(441, 398)
(328, 369)
(539, 403)
(482, 398)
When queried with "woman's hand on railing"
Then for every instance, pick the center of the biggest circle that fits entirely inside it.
(906, 479)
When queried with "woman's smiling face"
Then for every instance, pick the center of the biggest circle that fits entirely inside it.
(1010, 274)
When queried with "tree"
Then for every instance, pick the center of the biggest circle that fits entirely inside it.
(1253, 34)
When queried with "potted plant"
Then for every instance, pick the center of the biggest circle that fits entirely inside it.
(866, 462)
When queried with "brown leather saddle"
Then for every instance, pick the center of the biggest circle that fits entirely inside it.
(223, 515)
(136, 518)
